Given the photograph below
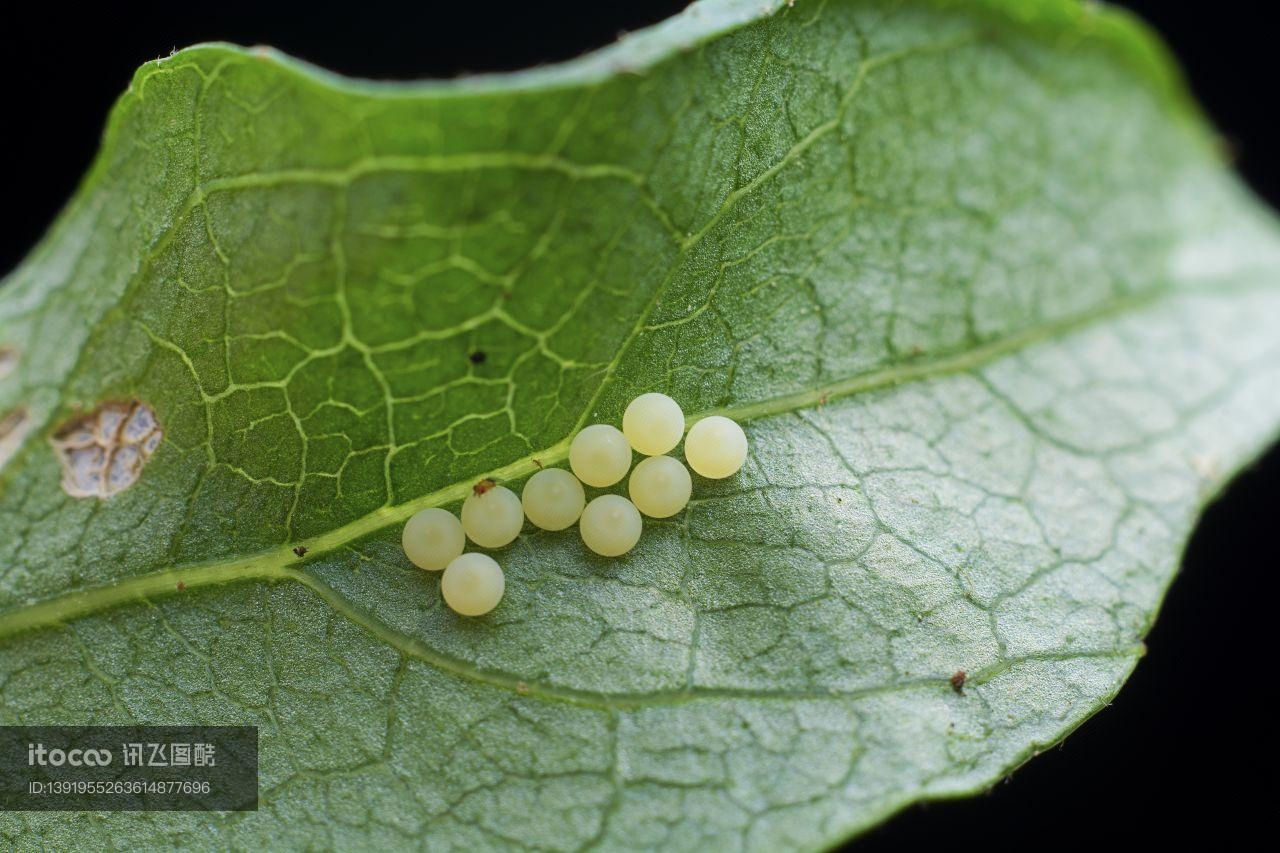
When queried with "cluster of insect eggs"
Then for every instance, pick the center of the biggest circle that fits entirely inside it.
(553, 499)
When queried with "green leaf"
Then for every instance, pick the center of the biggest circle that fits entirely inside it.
(997, 321)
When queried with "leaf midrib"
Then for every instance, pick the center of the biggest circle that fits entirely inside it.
(283, 564)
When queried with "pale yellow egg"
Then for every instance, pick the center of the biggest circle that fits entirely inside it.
(600, 455)
(432, 538)
(610, 525)
(493, 518)
(715, 447)
(660, 486)
(473, 584)
(653, 424)
(553, 499)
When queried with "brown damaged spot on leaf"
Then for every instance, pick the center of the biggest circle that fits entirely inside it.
(14, 427)
(104, 451)
(8, 361)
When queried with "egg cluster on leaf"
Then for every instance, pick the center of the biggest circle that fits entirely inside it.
(600, 455)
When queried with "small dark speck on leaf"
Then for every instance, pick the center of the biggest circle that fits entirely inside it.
(181, 586)
(478, 357)
(538, 462)
(957, 681)
(300, 551)
(483, 486)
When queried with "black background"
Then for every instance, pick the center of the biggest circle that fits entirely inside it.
(1179, 749)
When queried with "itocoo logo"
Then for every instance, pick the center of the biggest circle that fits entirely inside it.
(37, 753)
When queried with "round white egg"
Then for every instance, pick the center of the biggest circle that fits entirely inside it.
(600, 455)
(553, 499)
(653, 424)
(432, 538)
(493, 518)
(716, 447)
(610, 525)
(660, 486)
(473, 584)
